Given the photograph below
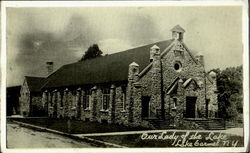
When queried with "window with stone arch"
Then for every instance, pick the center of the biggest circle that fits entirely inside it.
(86, 99)
(105, 98)
(79, 102)
(55, 97)
(73, 102)
(174, 103)
(62, 96)
(66, 96)
(123, 98)
(46, 97)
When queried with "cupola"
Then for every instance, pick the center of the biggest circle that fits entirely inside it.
(177, 32)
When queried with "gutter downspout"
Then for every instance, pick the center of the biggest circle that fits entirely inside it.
(206, 109)
(162, 94)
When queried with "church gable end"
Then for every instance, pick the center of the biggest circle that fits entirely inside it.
(24, 99)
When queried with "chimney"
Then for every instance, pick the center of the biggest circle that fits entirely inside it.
(177, 32)
(49, 67)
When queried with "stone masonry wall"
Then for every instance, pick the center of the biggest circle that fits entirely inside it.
(175, 112)
(151, 84)
(37, 108)
(212, 97)
(85, 113)
(72, 104)
(137, 118)
(24, 99)
(151, 87)
(121, 114)
(188, 69)
(30, 103)
(60, 111)
(100, 113)
(200, 108)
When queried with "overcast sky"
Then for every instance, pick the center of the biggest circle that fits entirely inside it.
(61, 35)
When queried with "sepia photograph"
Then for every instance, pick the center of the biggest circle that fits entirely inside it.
(143, 76)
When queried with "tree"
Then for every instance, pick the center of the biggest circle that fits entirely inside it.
(230, 91)
(92, 52)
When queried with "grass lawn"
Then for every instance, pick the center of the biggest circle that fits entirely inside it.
(168, 138)
(206, 139)
(77, 126)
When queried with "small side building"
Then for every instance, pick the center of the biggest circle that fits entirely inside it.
(13, 107)
(31, 97)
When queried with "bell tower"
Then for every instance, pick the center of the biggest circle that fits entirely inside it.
(177, 32)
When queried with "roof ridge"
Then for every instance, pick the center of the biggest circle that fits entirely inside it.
(118, 52)
(34, 76)
(34, 83)
(91, 71)
(141, 46)
(13, 86)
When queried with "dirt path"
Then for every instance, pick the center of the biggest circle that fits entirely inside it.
(20, 137)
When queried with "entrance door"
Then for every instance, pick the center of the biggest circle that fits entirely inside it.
(190, 107)
(145, 106)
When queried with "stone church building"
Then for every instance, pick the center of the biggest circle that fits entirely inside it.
(162, 81)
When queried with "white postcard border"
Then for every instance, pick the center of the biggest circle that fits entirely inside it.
(245, 33)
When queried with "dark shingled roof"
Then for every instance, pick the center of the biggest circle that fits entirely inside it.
(110, 68)
(35, 83)
(14, 90)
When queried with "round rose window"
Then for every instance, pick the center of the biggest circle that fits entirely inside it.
(177, 66)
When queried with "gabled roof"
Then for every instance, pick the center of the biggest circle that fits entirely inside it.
(14, 90)
(110, 68)
(34, 83)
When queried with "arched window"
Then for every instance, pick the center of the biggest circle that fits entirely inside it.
(62, 96)
(123, 98)
(86, 99)
(105, 98)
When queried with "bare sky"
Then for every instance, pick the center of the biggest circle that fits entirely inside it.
(61, 35)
